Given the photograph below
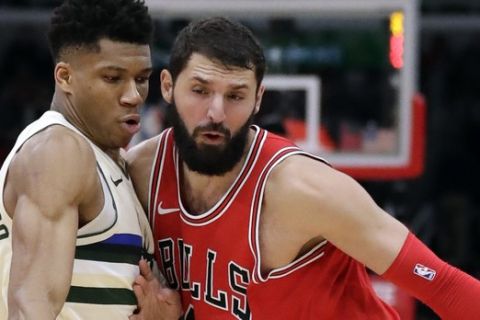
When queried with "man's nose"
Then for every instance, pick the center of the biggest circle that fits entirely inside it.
(216, 109)
(131, 96)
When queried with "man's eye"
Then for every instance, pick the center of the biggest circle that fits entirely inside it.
(235, 97)
(200, 91)
(111, 79)
(142, 79)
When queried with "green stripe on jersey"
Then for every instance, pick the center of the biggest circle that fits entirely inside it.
(109, 253)
(101, 296)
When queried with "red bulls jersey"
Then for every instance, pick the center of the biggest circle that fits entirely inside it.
(213, 258)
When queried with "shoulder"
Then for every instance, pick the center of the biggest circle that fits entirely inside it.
(302, 173)
(54, 158)
(311, 186)
(140, 161)
(56, 143)
(304, 189)
(142, 155)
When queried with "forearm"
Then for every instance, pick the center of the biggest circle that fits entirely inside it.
(41, 265)
(39, 290)
(451, 293)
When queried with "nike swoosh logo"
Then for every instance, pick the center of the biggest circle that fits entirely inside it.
(163, 211)
(116, 182)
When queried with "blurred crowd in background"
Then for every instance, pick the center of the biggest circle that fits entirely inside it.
(442, 205)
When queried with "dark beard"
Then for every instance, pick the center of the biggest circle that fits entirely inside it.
(208, 159)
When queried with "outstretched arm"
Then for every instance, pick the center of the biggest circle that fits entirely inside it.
(310, 200)
(46, 183)
(321, 202)
(155, 301)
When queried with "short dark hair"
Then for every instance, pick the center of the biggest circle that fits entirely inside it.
(82, 23)
(220, 39)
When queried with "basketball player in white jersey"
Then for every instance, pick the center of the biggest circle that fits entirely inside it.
(72, 231)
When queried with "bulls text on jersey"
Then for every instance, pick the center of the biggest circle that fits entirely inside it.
(233, 299)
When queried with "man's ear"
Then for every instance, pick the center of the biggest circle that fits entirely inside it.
(166, 85)
(63, 76)
(258, 100)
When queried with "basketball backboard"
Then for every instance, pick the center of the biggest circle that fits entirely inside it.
(342, 75)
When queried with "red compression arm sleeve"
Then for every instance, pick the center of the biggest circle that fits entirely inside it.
(451, 293)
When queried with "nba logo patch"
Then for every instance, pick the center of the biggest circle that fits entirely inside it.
(424, 272)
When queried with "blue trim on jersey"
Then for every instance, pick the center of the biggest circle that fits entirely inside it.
(124, 239)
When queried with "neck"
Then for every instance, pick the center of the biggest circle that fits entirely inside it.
(63, 105)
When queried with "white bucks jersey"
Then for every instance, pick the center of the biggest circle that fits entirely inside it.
(107, 249)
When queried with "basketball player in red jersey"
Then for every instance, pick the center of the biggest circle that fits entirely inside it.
(247, 225)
